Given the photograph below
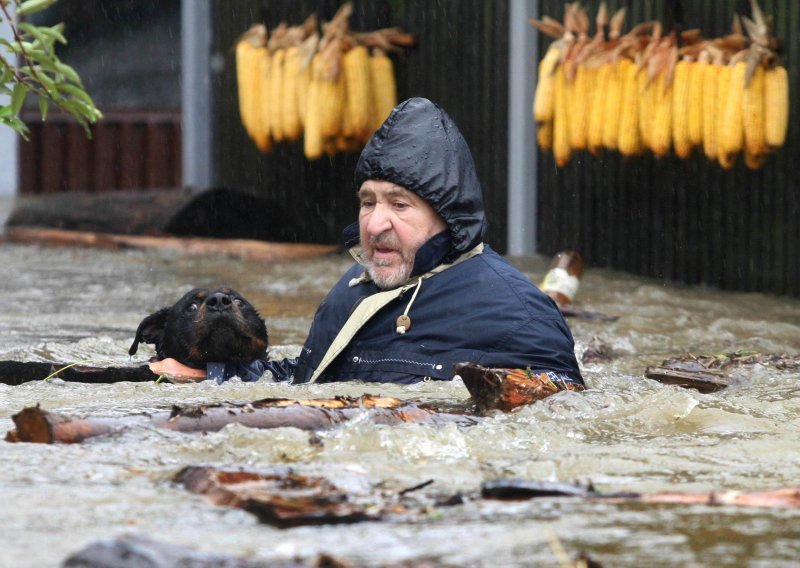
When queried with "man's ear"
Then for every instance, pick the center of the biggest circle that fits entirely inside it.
(150, 330)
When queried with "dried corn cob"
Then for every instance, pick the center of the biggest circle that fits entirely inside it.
(630, 140)
(646, 108)
(612, 99)
(695, 117)
(776, 109)
(711, 109)
(358, 106)
(731, 134)
(291, 126)
(561, 147)
(580, 92)
(661, 135)
(543, 101)
(275, 95)
(544, 135)
(755, 141)
(384, 90)
(594, 137)
(680, 109)
(312, 135)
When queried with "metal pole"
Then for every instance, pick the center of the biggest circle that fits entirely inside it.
(9, 139)
(196, 35)
(522, 152)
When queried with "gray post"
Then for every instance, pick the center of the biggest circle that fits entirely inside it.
(9, 139)
(522, 151)
(196, 32)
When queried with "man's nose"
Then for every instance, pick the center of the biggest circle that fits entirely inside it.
(379, 220)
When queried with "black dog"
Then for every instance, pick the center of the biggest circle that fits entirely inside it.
(205, 326)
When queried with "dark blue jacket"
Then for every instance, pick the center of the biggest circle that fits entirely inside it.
(482, 310)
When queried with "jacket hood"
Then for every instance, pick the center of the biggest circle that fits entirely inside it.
(420, 148)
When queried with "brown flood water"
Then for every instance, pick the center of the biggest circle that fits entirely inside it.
(625, 433)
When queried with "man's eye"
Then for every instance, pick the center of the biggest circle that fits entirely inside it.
(400, 205)
(367, 204)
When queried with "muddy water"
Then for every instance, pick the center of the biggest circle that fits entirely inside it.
(624, 434)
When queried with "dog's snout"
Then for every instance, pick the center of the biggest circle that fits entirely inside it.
(219, 301)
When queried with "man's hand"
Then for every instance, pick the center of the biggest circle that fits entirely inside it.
(177, 372)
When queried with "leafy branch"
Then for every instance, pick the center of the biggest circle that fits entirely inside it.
(29, 64)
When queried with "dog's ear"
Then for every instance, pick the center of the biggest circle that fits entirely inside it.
(150, 330)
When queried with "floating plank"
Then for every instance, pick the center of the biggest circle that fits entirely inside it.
(282, 500)
(506, 389)
(244, 249)
(522, 489)
(15, 373)
(33, 424)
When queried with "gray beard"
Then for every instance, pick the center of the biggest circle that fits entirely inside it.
(393, 279)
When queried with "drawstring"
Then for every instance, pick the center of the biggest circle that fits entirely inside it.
(404, 322)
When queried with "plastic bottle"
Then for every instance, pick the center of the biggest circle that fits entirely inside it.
(563, 279)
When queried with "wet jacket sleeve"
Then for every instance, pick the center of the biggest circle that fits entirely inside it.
(282, 370)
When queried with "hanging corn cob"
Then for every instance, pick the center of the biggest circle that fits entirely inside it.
(329, 89)
(664, 93)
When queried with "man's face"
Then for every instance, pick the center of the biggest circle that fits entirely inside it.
(394, 224)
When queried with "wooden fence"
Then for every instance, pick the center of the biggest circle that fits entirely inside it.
(127, 150)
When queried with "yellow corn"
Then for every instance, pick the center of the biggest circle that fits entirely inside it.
(646, 108)
(580, 95)
(696, 76)
(731, 133)
(661, 135)
(613, 104)
(312, 135)
(680, 109)
(561, 147)
(776, 106)
(594, 137)
(543, 102)
(275, 96)
(630, 141)
(250, 61)
(384, 89)
(358, 107)
(754, 161)
(755, 141)
(711, 109)
(291, 126)
(544, 135)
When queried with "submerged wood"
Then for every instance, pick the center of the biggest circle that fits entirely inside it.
(710, 373)
(15, 373)
(520, 489)
(283, 500)
(137, 551)
(33, 424)
(244, 249)
(573, 312)
(506, 389)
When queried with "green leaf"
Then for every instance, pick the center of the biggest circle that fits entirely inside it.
(43, 107)
(18, 97)
(36, 32)
(68, 72)
(33, 6)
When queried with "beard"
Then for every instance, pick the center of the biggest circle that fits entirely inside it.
(388, 273)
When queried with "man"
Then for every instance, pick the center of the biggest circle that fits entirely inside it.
(426, 293)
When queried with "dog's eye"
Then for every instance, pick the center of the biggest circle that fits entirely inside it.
(191, 307)
(238, 303)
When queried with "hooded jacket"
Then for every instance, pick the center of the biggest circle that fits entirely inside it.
(482, 310)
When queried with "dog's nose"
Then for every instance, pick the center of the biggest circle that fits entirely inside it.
(219, 301)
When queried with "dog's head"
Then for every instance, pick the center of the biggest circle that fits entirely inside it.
(203, 327)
